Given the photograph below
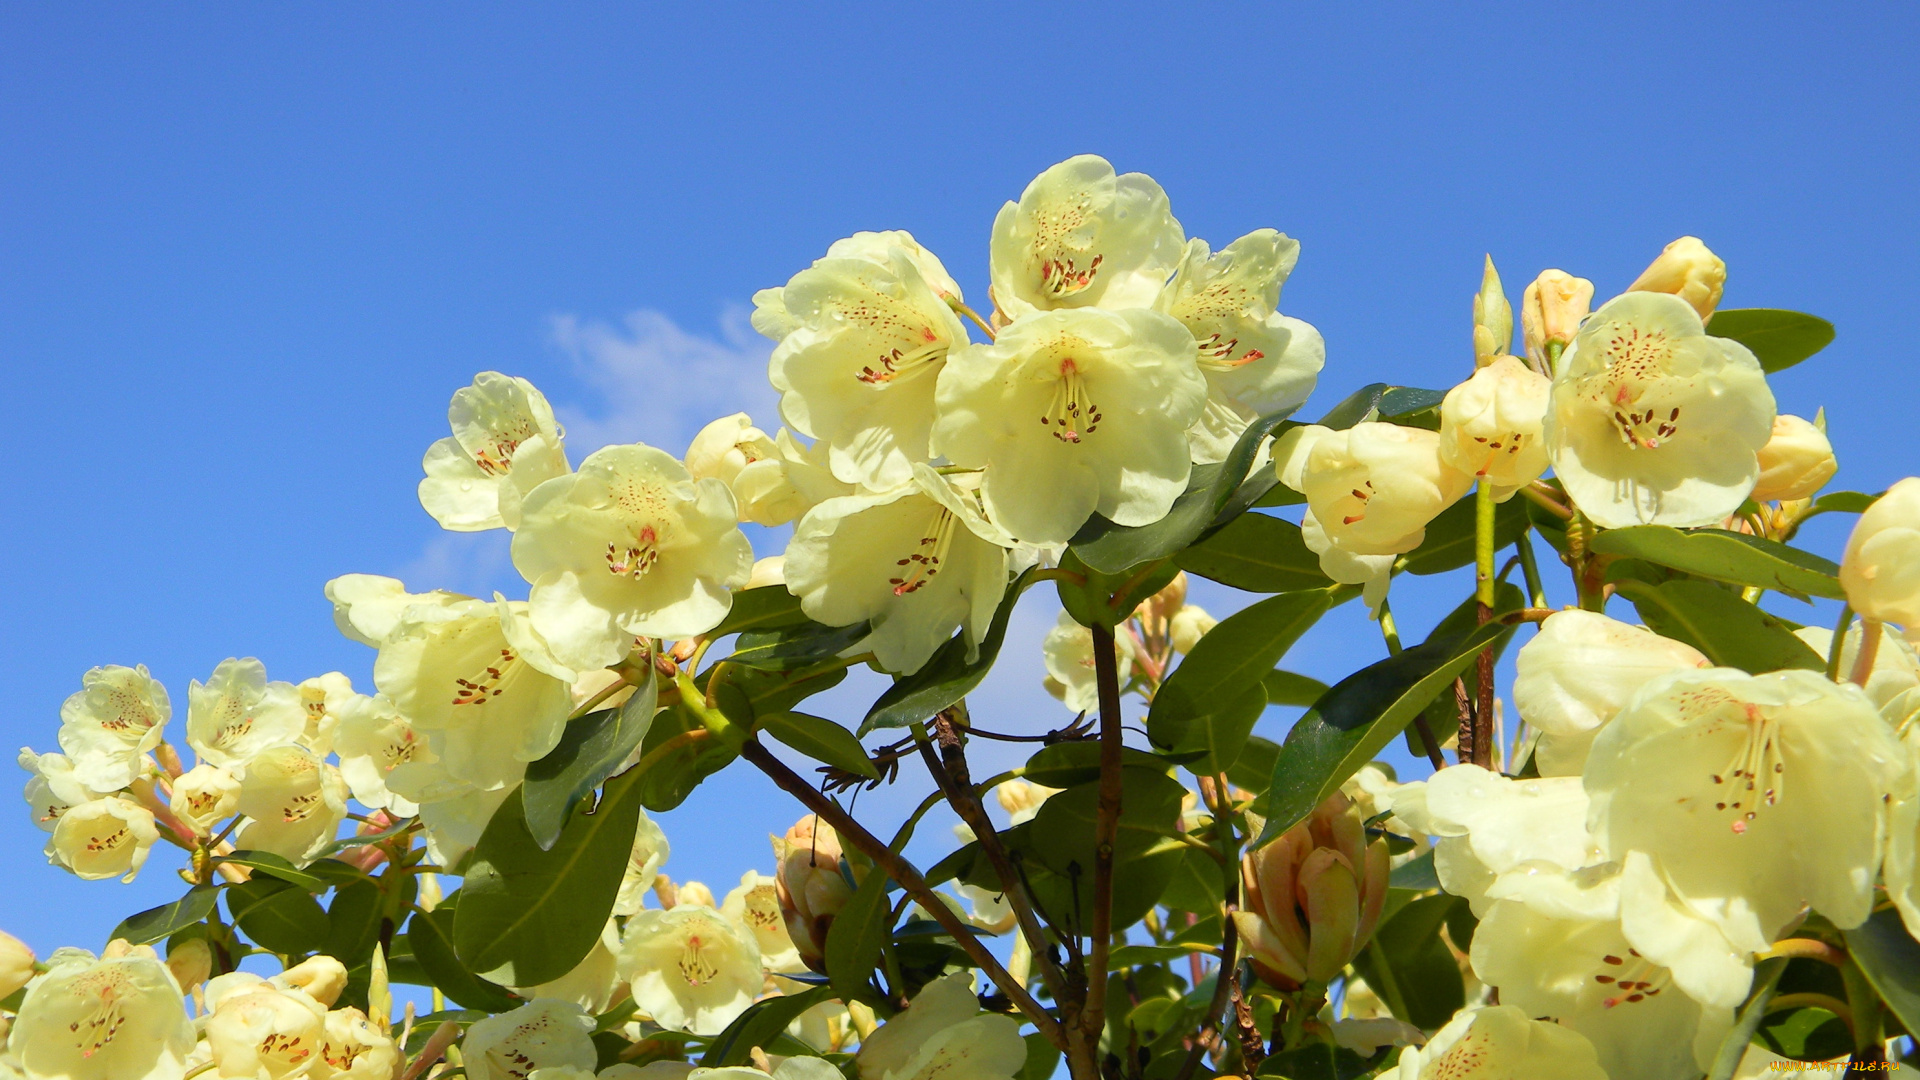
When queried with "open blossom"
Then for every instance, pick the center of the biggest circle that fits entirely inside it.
(1080, 236)
(1551, 310)
(119, 1017)
(916, 563)
(811, 886)
(783, 486)
(540, 1034)
(863, 334)
(1653, 421)
(1490, 425)
(109, 726)
(1495, 831)
(204, 796)
(237, 713)
(1373, 573)
(1881, 567)
(103, 838)
(1257, 362)
(52, 788)
(1068, 653)
(755, 904)
(373, 740)
(690, 968)
(1578, 671)
(1688, 270)
(1072, 413)
(1752, 794)
(367, 607)
(354, 1049)
(487, 709)
(505, 443)
(629, 546)
(1796, 462)
(943, 1033)
(261, 1030)
(294, 802)
(1373, 487)
(1500, 1042)
(649, 854)
(1312, 897)
(322, 699)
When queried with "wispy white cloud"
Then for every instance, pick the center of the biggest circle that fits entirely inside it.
(472, 563)
(660, 383)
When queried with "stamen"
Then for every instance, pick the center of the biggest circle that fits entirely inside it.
(924, 562)
(636, 558)
(488, 685)
(1071, 406)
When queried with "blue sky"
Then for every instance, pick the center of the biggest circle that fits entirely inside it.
(247, 252)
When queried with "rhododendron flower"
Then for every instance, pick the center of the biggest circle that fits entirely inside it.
(103, 838)
(1688, 270)
(119, 1017)
(1578, 672)
(354, 1049)
(294, 802)
(540, 1034)
(1490, 425)
(690, 968)
(943, 1033)
(1653, 421)
(755, 904)
(110, 725)
(1081, 236)
(649, 854)
(1373, 487)
(1881, 567)
(259, 1029)
(373, 740)
(205, 795)
(16, 964)
(782, 487)
(1551, 309)
(1068, 651)
(367, 607)
(237, 713)
(505, 443)
(1796, 462)
(52, 788)
(1500, 1042)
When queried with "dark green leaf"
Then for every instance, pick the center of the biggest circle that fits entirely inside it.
(1227, 665)
(277, 915)
(765, 608)
(1356, 408)
(948, 676)
(1217, 735)
(1042, 1059)
(1108, 599)
(1778, 339)
(1063, 765)
(1287, 688)
(1410, 967)
(1450, 537)
(668, 782)
(166, 920)
(1890, 959)
(859, 932)
(528, 916)
(759, 1025)
(353, 918)
(1410, 406)
(1805, 1035)
(1318, 1061)
(794, 646)
(1730, 631)
(1417, 874)
(334, 872)
(1278, 494)
(1196, 886)
(1726, 556)
(590, 748)
(822, 740)
(1111, 548)
(1358, 718)
(1144, 854)
(1255, 766)
(266, 862)
(1843, 502)
(430, 934)
(1255, 552)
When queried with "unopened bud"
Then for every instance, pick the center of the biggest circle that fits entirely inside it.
(1687, 270)
(1160, 606)
(16, 964)
(694, 892)
(1312, 897)
(1551, 310)
(1492, 318)
(191, 962)
(1796, 462)
(1877, 569)
(810, 885)
(726, 446)
(1189, 625)
(771, 570)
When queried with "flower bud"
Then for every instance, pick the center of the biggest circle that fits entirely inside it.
(1491, 425)
(1881, 567)
(1189, 625)
(771, 570)
(321, 978)
(1313, 897)
(1162, 605)
(1551, 310)
(103, 838)
(1492, 318)
(1795, 462)
(1021, 800)
(16, 964)
(693, 892)
(811, 886)
(191, 962)
(204, 796)
(726, 446)
(1687, 270)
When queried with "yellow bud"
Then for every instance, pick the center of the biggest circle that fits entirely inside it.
(1492, 318)
(1795, 462)
(693, 892)
(191, 962)
(1551, 310)
(16, 964)
(1687, 270)
(1189, 625)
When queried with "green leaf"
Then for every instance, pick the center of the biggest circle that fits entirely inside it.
(1204, 702)
(668, 782)
(1890, 959)
(266, 862)
(1111, 548)
(1805, 1035)
(947, 676)
(1778, 339)
(1356, 408)
(1842, 502)
(759, 1026)
(765, 608)
(353, 918)
(1255, 552)
(1255, 766)
(1318, 1061)
(795, 646)
(430, 934)
(1730, 631)
(359, 840)
(1417, 874)
(1144, 855)
(1108, 599)
(1287, 688)
(590, 748)
(1196, 886)
(528, 916)
(822, 740)
(1410, 966)
(1726, 556)
(1450, 537)
(1358, 718)
(278, 916)
(151, 925)
(1411, 406)
(1063, 765)
(1042, 1059)
(857, 935)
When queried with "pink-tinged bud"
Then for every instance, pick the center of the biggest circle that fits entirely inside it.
(1551, 309)
(1313, 897)
(1689, 271)
(811, 886)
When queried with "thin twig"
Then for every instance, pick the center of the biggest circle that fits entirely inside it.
(1428, 743)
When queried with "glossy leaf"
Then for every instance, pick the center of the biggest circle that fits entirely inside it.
(1890, 959)
(1197, 885)
(1101, 599)
(856, 937)
(1255, 552)
(1778, 339)
(1805, 1035)
(354, 916)
(1215, 737)
(1255, 766)
(670, 779)
(948, 676)
(791, 647)
(1063, 765)
(590, 748)
(164, 921)
(1450, 536)
(1410, 967)
(430, 934)
(822, 740)
(1726, 556)
(1229, 663)
(1318, 1061)
(1730, 631)
(757, 1027)
(764, 608)
(1417, 874)
(1287, 688)
(266, 862)
(1356, 408)
(1062, 834)
(1843, 502)
(528, 915)
(1358, 718)
(277, 915)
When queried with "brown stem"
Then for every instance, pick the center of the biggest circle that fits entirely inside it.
(1106, 829)
(902, 871)
(1428, 742)
(950, 771)
(1253, 1049)
(1483, 708)
(1463, 744)
(1869, 651)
